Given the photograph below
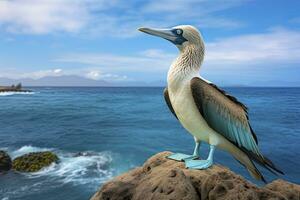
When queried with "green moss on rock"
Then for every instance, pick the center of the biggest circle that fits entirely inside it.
(33, 162)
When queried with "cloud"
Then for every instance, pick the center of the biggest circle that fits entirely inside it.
(34, 75)
(148, 60)
(89, 73)
(48, 16)
(41, 73)
(199, 12)
(96, 74)
(273, 47)
(115, 17)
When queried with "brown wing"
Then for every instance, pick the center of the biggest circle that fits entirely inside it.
(227, 116)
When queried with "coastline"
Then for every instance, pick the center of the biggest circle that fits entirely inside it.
(13, 90)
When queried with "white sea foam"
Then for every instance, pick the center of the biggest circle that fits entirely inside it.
(14, 93)
(91, 168)
(27, 149)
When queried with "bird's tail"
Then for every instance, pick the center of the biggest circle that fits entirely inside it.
(246, 158)
(264, 162)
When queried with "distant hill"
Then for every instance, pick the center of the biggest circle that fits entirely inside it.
(74, 81)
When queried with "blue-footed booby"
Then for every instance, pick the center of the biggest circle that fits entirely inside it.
(207, 112)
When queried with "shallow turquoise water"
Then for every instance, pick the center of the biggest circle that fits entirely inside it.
(116, 129)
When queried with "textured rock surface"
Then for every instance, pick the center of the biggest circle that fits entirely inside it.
(161, 178)
(33, 162)
(5, 161)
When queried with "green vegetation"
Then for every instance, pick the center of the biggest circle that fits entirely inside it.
(34, 162)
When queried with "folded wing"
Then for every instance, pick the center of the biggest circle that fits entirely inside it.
(227, 116)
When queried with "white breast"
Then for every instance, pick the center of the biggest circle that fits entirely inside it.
(186, 110)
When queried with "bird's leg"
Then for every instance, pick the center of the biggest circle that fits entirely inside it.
(201, 164)
(184, 157)
(196, 150)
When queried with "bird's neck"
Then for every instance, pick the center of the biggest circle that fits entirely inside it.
(186, 65)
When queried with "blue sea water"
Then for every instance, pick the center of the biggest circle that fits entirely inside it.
(99, 133)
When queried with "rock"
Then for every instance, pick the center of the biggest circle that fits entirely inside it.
(5, 161)
(14, 90)
(161, 178)
(84, 154)
(33, 162)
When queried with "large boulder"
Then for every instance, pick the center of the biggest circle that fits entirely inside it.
(33, 162)
(5, 161)
(161, 178)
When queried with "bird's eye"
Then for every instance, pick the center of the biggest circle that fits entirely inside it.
(179, 32)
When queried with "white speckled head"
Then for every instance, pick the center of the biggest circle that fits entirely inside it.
(189, 41)
(192, 35)
(182, 36)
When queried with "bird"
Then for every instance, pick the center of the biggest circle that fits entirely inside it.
(206, 111)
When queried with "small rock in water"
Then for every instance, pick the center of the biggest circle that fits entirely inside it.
(33, 162)
(84, 154)
(5, 161)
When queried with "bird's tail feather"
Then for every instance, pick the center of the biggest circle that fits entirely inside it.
(247, 158)
(243, 158)
(255, 173)
(264, 162)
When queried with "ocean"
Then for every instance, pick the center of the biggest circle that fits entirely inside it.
(99, 133)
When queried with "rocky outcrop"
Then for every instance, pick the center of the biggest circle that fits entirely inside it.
(13, 90)
(161, 178)
(5, 161)
(33, 162)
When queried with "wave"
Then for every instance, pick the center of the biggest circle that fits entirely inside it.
(27, 149)
(14, 93)
(83, 168)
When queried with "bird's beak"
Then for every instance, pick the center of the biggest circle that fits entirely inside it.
(163, 33)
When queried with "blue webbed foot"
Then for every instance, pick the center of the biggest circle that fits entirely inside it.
(198, 164)
(182, 157)
(201, 164)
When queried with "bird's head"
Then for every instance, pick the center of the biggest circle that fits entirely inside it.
(182, 36)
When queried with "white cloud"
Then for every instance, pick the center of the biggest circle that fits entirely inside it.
(272, 49)
(276, 46)
(41, 16)
(179, 7)
(97, 74)
(47, 16)
(114, 17)
(199, 12)
(57, 71)
(148, 60)
(89, 73)
(40, 73)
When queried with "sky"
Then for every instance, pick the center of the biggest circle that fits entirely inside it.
(248, 42)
